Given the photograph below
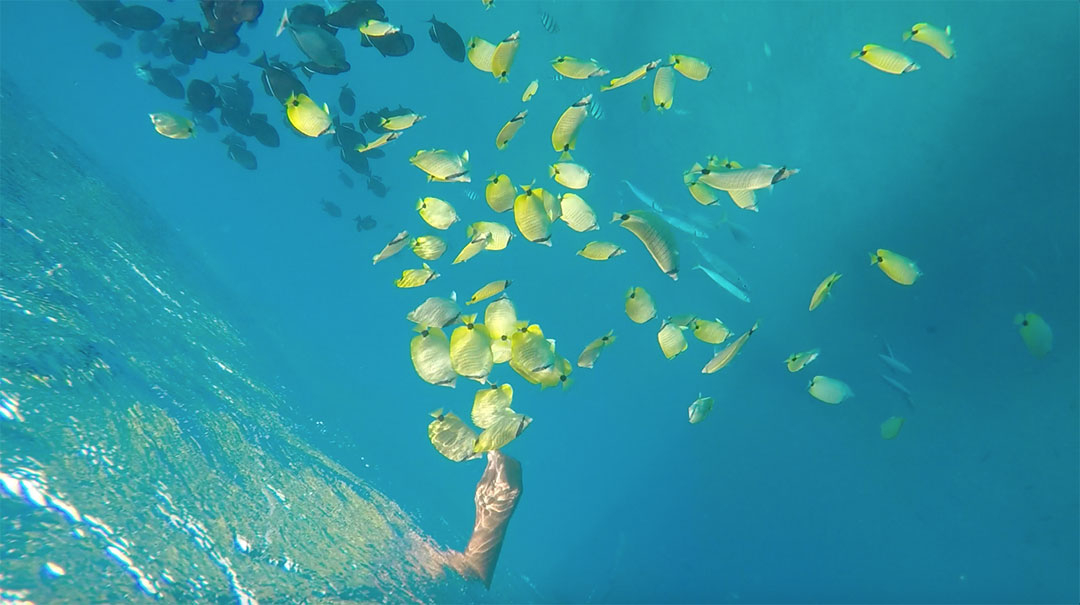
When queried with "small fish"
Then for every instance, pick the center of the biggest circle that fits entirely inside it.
(331, 208)
(564, 135)
(671, 339)
(392, 247)
(600, 251)
(345, 179)
(891, 427)
(592, 350)
(488, 4)
(712, 331)
(823, 290)
(939, 40)
(376, 29)
(480, 52)
(645, 198)
(798, 361)
(664, 88)
(414, 278)
(347, 100)
(504, 429)
(893, 363)
(723, 357)
(172, 126)
(883, 59)
(470, 350)
(635, 75)
(570, 175)
(491, 402)
(530, 90)
(700, 408)
(401, 121)
(900, 269)
(428, 247)
(111, 50)
(690, 67)
(503, 57)
(383, 139)
(452, 437)
(436, 212)
(500, 193)
(436, 312)
(365, 223)
(903, 390)
(307, 117)
(430, 353)
(576, 213)
(507, 132)
(829, 390)
(549, 23)
(760, 177)
(1036, 333)
(655, 234)
(532, 218)
(488, 290)
(578, 69)
(684, 226)
(478, 242)
(500, 234)
(447, 38)
(442, 166)
(640, 307)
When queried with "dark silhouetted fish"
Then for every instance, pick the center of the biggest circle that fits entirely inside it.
(111, 50)
(397, 44)
(351, 15)
(278, 81)
(264, 132)
(312, 67)
(355, 160)
(219, 42)
(201, 96)
(161, 79)
(307, 14)
(228, 15)
(243, 50)
(236, 94)
(347, 100)
(238, 152)
(377, 186)
(141, 18)
(183, 41)
(372, 121)
(447, 38)
(162, 49)
(100, 10)
(345, 179)
(549, 23)
(238, 121)
(365, 223)
(331, 208)
(318, 44)
(206, 122)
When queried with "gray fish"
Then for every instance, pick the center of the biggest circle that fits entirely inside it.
(161, 79)
(111, 50)
(331, 208)
(900, 389)
(318, 44)
(365, 223)
(347, 100)
(242, 156)
(447, 38)
(345, 179)
(891, 360)
(137, 17)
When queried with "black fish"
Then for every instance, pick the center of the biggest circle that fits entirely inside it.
(312, 67)
(345, 179)
(377, 186)
(201, 96)
(397, 44)
(351, 15)
(347, 100)
(549, 23)
(264, 132)
(228, 15)
(243, 157)
(331, 208)
(100, 10)
(237, 120)
(278, 81)
(137, 17)
(448, 39)
(162, 80)
(372, 121)
(365, 223)
(236, 94)
(183, 42)
(111, 50)
(346, 136)
(355, 160)
(307, 14)
(219, 42)
(243, 50)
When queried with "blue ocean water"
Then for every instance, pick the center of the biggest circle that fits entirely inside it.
(969, 166)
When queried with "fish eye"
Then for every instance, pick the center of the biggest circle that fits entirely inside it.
(1025, 323)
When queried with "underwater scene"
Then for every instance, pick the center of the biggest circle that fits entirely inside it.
(539, 301)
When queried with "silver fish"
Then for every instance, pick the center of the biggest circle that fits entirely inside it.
(641, 195)
(725, 283)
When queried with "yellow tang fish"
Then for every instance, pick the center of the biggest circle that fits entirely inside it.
(823, 290)
(532, 218)
(578, 69)
(490, 403)
(172, 126)
(1036, 333)
(477, 244)
(401, 122)
(414, 278)
(430, 352)
(671, 339)
(829, 390)
(798, 361)
(308, 118)
(712, 331)
(530, 90)
(509, 129)
(900, 269)
(635, 75)
(490, 289)
(600, 251)
(574, 211)
(480, 53)
(570, 175)
(505, 429)
(691, 67)
(376, 28)
(663, 91)
(888, 61)
(383, 139)
(393, 247)
(437, 213)
(891, 427)
(592, 350)
(499, 193)
(452, 437)
(728, 353)
(564, 135)
(436, 312)
(442, 165)
(500, 234)
(939, 40)
(654, 232)
(470, 349)
(700, 409)
(428, 247)
(503, 57)
(640, 307)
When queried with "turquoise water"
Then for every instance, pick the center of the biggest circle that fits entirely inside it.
(223, 336)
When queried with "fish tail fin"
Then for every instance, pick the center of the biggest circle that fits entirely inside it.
(283, 24)
(262, 62)
(873, 259)
(552, 171)
(948, 30)
(907, 35)
(565, 156)
(856, 53)
(567, 383)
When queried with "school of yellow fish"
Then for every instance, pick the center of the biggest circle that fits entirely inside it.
(449, 344)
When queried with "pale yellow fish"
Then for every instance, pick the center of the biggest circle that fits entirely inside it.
(823, 290)
(703, 194)
(452, 437)
(744, 198)
(578, 69)
(509, 129)
(937, 39)
(683, 320)
(532, 219)
(592, 350)
(798, 361)
(437, 213)
(557, 375)
(552, 207)
(428, 247)
(530, 353)
(700, 409)
(712, 331)
(436, 312)
(671, 339)
(900, 269)
(691, 67)
(759, 177)
(307, 117)
(663, 91)
(490, 403)
(564, 135)
(570, 175)
(503, 57)
(382, 139)
(530, 90)
(172, 126)
(499, 193)
(480, 52)
(505, 429)
(393, 247)
(470, 349)
(500, 317)
(600, 251)
(635, 75)
(655, 233)
(1036, 333)
(891, 427)
(884, 59)
(442, 165)
(577, 213)
(500, 234)
(430, 353)
(829, 390)
(724, 357)
(401, 122)
(477, 243)
(490, 289)
(640, 307)
(488, 4)
(414, 278)
(376, 28)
